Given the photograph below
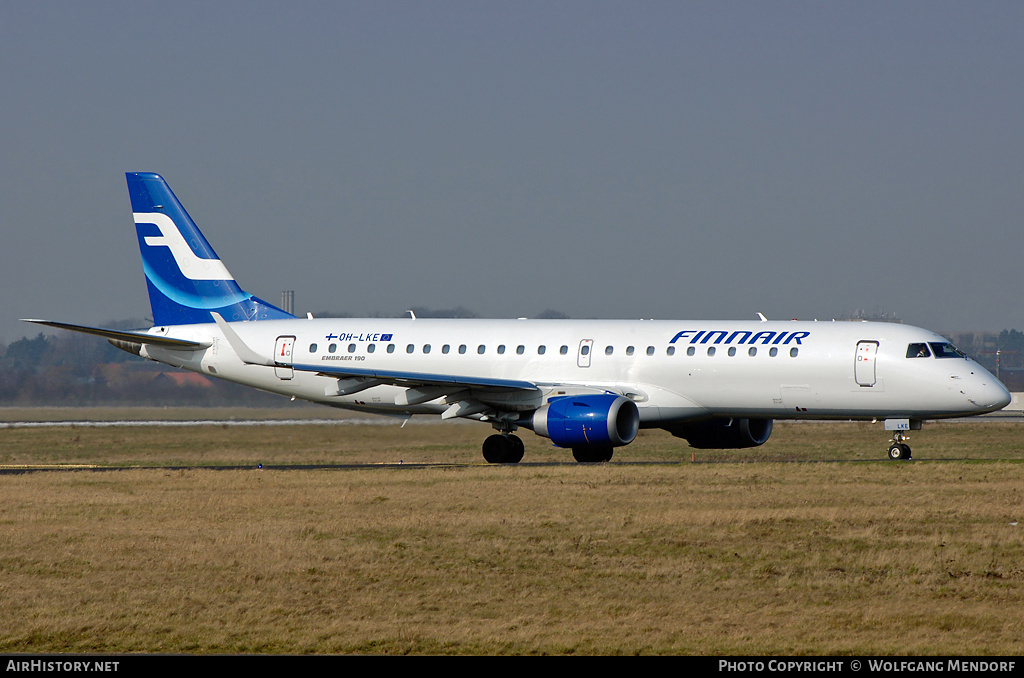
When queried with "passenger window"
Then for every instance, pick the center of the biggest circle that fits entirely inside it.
(371, 348)
(608, 350)
(752, 351)
(773, 351)
(711, 350)
(501, 349)
(629, 350)
(671, 350)
(918, 351)
(480, 349)
(541, 350)
(691, 350)
(312, 348)
(410, 348)
(391, 348)
(351, 348)
(585, 350)
(650, 350)
(732, 351)
(520, 349)
(445, 349)
(793, 351)
(332, 348)
(564, 350)
(462, 348)
(426, 348)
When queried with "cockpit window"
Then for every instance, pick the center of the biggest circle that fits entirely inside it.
(918, 351)
(945, 350)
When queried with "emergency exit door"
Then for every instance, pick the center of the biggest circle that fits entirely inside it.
(583, 356)
(283, 357)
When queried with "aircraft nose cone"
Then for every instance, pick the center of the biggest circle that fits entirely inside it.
(1002, 396)
(990, 395)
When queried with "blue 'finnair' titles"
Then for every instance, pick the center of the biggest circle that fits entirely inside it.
(585, 385)
(764, 337)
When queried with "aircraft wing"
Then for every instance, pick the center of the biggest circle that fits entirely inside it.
(420, 387)
(466, 395)
(400, 378)
(126, 335)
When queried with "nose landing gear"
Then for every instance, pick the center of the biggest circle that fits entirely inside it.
(898, 448)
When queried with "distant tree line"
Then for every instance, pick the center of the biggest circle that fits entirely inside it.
(68, 369)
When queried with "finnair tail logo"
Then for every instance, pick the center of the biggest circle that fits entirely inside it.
(191, 266)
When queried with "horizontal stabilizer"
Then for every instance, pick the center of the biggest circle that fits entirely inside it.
(125, 335)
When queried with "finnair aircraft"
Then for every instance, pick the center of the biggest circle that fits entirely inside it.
(588, 385)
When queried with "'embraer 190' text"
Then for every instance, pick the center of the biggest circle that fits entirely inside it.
(763, 337)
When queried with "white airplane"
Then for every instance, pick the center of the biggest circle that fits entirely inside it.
(588, 385)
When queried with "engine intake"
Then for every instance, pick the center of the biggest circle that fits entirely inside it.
(725, 434)
(588, 420)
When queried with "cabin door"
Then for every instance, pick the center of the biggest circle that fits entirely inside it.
(864, 365)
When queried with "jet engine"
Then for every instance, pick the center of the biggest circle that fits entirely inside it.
(590, 420)
(725, 434)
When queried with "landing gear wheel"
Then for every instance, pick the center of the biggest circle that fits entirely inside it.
(503, 449)
(592, 455)
(516, 450)
(898, 450)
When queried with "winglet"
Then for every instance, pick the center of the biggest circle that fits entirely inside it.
(248, 356)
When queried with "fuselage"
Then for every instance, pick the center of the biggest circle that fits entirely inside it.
(673, 370)
(587, 385)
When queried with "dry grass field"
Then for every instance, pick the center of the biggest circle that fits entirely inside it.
(843, 554)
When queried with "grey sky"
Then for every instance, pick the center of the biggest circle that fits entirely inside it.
(668, 160)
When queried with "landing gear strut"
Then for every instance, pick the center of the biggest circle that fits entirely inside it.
(503, 448)
(897, 448)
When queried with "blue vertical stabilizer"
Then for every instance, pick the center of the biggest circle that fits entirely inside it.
(186, 279)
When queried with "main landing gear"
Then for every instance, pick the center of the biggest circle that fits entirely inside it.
(504, 448)
(898, 449)
(592, 455)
